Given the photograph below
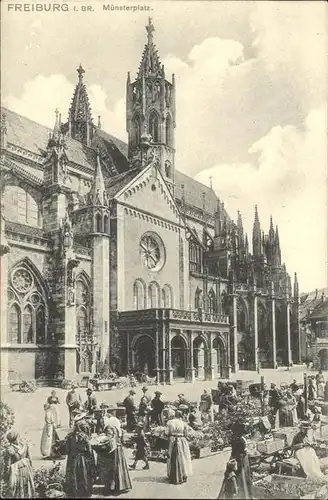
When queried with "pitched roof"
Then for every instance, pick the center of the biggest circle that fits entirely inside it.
(193, 193)
(33, 137)
(321, 311)
(116, 183)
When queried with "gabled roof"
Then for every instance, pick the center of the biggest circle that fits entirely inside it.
(321, 311)
(116, 183)
(31, 136)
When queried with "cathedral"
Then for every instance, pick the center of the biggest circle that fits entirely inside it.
(113, 258)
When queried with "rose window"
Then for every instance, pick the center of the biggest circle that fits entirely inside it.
(152, 251)
(22, 280)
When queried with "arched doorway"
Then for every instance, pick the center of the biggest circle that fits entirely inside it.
(178, 356)
(143, 355)
(323, 357)
(218, 358)
(199, 355)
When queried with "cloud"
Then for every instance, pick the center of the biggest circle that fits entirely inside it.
(287, 178)
(42, 95)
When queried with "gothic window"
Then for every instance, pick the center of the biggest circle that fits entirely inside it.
(40, 325)
(167, 301)
(98, 224)
(195, 257)
(153, 126)
(20, 206)
(152, 251)
(136, 131)
(211, 301)
(27, 326)
(169, 131)
(198, 299)
(86, 361)
(153, 296)
(168, 169)
(139, 297)
(27, 308)
(106, 224)
(81, 325)
(14, 324)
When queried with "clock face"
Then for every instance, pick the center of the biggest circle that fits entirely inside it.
(152, 251)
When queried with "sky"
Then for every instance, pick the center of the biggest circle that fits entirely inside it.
(251, 96)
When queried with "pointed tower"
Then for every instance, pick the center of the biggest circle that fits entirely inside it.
(80, 126)
(54, 200)
(296, 287)
(277, 252)
(150, 109)
(100, 276)
(257, 237)
(240, 232)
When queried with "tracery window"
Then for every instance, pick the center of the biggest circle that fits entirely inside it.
(27, 308)
(195, 257)
(153, 126)
(139, 295)
(20, 206)
(168, 131)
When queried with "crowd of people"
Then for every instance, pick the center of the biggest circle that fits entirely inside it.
(94, 444)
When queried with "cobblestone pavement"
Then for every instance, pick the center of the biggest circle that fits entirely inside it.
(208, 472)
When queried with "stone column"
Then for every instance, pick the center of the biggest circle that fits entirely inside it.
(201, 361)
(289, 351)
(70, 316)
(273, 327)
(169, 372)
(235, 366)
(128, 350)
(163, 354)
(256, 338)
(210, 374)
(4, 250)
(157, 367)
(190, 352)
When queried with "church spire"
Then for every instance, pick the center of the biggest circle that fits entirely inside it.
(257, 237)
(240, 230)
(150, 111)
(80, 125)
(97, 191)
(150, 64)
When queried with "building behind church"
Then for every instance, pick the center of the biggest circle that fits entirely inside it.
(110, 256)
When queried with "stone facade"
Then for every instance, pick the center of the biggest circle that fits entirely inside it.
(110, 255)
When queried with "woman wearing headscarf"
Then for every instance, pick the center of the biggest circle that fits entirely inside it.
(80, 466)
(320, 380)
(312, 392)
(49, 434)
(239, 453)
(53, 401)
(18, 468)
(111, 463)
(179, 459)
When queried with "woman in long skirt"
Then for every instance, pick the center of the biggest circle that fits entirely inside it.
(111, 463)
(80, 466)
(53, 401)
(49, 434)
(179, 459)
(18, 472)
(239, 453)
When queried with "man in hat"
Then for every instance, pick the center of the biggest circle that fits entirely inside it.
(73, 401)
(130, 409)
(143, 406)
(274, 402)
(91, 402)
(157, 409)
